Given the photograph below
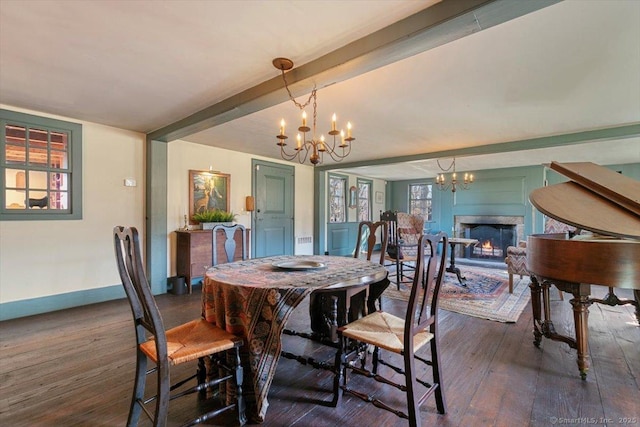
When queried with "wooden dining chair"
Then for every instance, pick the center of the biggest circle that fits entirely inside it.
(195, 340)
(403, 336)
(331, 308)
(229, 243)
(404, 231)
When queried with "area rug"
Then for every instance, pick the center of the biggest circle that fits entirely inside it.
(486, 294)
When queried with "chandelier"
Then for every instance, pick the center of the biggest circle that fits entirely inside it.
(313, 148)
(453, 185)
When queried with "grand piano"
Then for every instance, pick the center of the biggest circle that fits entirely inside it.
(607, 205)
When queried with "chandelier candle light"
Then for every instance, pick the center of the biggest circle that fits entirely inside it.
(313, 148)
(442, 182)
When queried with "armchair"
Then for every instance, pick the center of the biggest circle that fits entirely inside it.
(516, 259)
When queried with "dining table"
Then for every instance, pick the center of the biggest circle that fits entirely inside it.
(254, 299)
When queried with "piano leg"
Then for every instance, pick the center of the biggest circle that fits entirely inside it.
(535, 305)
(544, 327)
(581, 305)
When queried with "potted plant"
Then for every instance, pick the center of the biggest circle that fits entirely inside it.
(212, 217)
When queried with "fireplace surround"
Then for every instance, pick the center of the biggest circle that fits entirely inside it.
(493, 232)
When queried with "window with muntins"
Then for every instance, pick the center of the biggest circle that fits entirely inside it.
(420, 197)
(337, 199)
(364, 200)
(41, 167)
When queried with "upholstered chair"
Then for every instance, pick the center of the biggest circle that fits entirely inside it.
(516, 259)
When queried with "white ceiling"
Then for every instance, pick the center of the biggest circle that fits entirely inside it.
(142, 65)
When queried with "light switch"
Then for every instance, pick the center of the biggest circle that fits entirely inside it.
(129, 182)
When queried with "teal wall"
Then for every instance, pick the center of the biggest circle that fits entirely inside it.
(494, 192)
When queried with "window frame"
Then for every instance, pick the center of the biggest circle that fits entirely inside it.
(345, 181)
(429, 216)
(74, 168)
(368, 182)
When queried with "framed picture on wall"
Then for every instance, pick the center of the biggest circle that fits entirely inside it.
(208, 190)
(379, 197)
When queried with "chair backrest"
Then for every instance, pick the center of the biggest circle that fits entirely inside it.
(367, 231)
(410, 227)
(391, 219)
(146, 315)
(229, 243)
(553, 226)
(422, 308)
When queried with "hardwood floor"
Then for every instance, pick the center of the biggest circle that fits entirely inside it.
(75, 368)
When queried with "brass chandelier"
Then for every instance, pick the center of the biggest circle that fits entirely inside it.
(313, 148)
(454, 184)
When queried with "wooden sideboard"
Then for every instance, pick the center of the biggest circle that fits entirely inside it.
(194, 252)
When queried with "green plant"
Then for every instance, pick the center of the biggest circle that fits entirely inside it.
(214, 215)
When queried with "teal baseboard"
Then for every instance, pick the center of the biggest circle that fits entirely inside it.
(30, 307)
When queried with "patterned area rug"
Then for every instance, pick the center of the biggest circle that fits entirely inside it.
(486, 295)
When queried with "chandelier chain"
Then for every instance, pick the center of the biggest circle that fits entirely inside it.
(300, 106)
(453, 162)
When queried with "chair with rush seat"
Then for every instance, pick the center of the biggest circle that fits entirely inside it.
(195, 340)
(402, 336)
(331, 308)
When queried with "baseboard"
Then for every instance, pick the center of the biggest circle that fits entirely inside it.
(30, 307)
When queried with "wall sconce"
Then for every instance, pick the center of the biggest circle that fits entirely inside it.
(250, 204)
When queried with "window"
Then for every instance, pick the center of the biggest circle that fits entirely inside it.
(364, 200)
(41, 162)
(337, 199)
(420, 200)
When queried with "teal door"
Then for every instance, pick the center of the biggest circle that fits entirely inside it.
(273, 218)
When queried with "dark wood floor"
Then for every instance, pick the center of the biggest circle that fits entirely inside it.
(75, 368)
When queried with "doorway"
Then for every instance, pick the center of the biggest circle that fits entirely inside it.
(273, 219)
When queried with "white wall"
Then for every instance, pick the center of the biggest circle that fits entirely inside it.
(42, 258)
(184, 156)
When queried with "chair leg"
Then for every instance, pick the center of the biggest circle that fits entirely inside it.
(510, 283)
(338, 374)
(375, 358)
(413, 406)
(239, 376)
(138, 390)
(164, 390)
(441, 402)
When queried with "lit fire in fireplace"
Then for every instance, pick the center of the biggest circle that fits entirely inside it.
(487, 249)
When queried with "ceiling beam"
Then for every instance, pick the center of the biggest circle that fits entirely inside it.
(434, 26)
(603, 134)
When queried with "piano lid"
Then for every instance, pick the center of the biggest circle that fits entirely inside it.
(597, 199)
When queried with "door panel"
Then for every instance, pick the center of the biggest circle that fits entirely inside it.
(274, 191)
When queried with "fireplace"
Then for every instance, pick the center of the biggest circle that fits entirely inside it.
(493, 232)
(493, 240)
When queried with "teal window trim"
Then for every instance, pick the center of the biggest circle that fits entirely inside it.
(74, 169)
